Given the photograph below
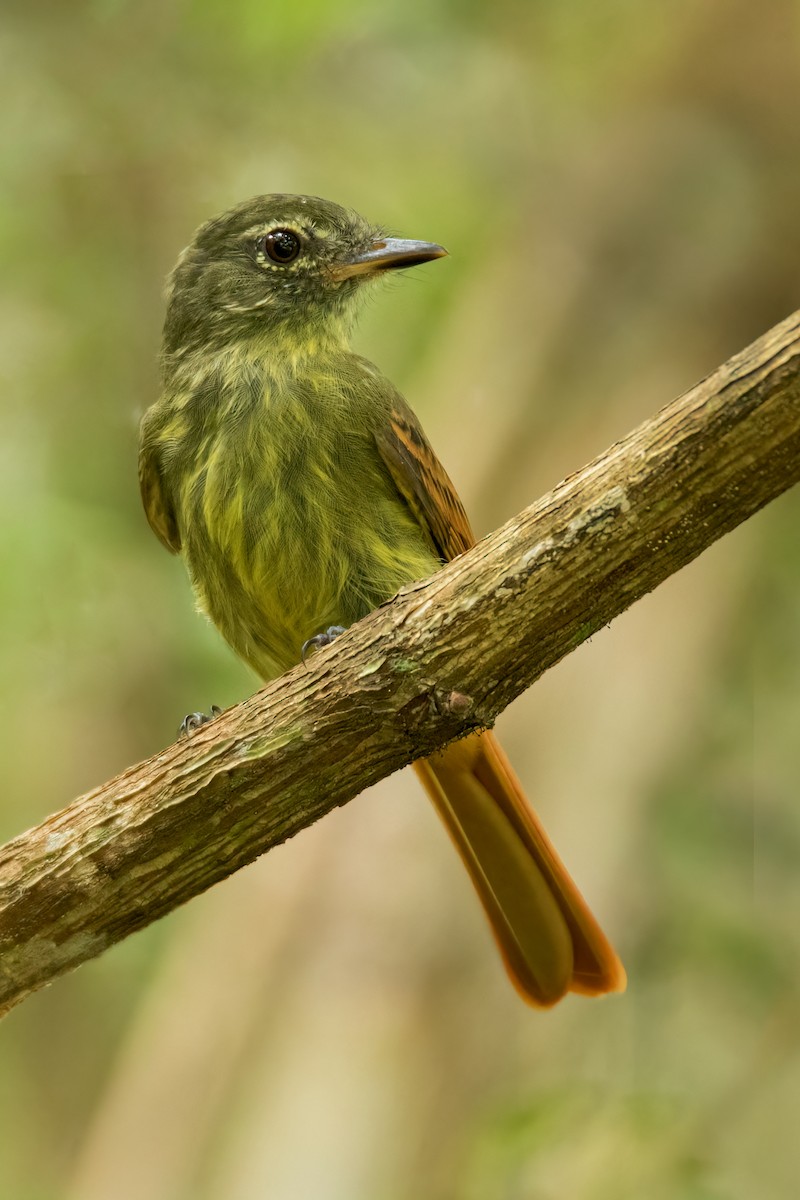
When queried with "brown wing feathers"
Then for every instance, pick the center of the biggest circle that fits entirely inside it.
(423, 483)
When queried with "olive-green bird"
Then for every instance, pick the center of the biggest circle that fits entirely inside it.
(302, 492)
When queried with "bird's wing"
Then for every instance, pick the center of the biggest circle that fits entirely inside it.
(423, 482)
(157, 505)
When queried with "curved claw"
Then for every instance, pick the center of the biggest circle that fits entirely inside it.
(321, 639)
(194, 720)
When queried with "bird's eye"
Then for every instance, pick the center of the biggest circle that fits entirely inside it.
(281, 245)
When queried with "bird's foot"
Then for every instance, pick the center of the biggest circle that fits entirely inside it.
(321, 639)
(194, 720)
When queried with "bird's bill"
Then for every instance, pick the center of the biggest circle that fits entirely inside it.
(386, 255)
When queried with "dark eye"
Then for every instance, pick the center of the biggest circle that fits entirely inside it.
(281, 245)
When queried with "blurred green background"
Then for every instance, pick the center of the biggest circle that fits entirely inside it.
(619, 187)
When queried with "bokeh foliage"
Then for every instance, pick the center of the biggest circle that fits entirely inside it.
(618, 184)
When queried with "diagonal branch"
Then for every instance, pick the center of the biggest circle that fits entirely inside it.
(444, 657)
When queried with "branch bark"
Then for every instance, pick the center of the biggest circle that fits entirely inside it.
(443, 658)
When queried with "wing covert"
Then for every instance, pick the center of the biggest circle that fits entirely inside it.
(157, 505)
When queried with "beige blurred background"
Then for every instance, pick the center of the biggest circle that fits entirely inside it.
(619, 187)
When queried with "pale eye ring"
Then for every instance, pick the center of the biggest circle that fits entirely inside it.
(280, 245)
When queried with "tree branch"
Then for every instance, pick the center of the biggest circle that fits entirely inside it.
(444, 657)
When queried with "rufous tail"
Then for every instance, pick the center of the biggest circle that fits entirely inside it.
(549, 940)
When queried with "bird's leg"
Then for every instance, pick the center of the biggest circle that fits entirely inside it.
(194, 720)
(321, 639)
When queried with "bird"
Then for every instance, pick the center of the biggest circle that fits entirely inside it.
(301, 492)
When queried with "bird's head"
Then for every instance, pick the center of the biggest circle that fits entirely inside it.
(284, 265)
